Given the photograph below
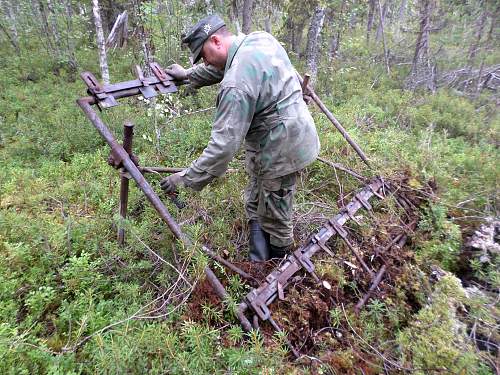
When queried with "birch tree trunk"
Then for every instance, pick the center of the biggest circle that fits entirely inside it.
(247, 16)
(382, 11)
(54, 30)
(381, 26)
(103, 63)
(44, 25)
(312, 47)
(369, 23)
(13, 35)
(69, 37)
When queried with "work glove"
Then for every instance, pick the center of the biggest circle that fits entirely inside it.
(169, 184)
(177, 71)
(307, 98)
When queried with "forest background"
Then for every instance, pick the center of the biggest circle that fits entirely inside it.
(415, 83)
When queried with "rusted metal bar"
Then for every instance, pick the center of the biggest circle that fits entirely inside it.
(259, 299)
(278, 329)
(400, 239)
(343, 235)
(216, 284)
(118, 150)
(335, 122)
(245, 323)
(391, 244)
(229, 265)
(160, 169)
(305, 83)
(221, 292)
(375, 282)
(128, 133)
(171, 170)
(358, 257)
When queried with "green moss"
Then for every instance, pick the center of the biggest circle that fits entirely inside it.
(436, 340)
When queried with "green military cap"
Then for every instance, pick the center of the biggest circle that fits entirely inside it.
(200, 32)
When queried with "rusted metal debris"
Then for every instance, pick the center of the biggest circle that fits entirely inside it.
(128, 133)
(255, 307)
(307, 90)
(105, 96)
(258, 300)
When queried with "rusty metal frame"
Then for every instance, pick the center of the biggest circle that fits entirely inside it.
(258, 300)
(105, 96)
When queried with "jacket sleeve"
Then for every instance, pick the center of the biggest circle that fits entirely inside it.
(235, 111)
(202, 75)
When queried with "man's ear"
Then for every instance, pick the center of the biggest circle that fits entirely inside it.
(216, 40)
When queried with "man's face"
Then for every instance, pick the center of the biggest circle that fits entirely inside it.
(214, 52)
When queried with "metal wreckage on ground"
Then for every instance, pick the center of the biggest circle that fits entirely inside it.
(256, 306)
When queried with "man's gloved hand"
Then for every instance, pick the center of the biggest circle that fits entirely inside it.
(177, 71)
(307, 98)
(169, 184)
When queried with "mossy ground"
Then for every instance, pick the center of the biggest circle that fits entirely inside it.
(63, 277)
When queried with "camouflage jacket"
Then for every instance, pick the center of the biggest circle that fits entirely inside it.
(260, 101)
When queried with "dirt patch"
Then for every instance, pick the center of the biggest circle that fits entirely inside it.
(203, 295)
(314, 315)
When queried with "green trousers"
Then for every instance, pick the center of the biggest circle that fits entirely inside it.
(270, 201)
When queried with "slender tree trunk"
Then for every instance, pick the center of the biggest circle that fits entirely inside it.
(381, 26)
(422, 43)
(10, 38)
(69, 37)
(422, 71)
(295, 34)
(55, 30)
(487, 43)
(382, 12)
(145, 40)
(369, 23)
(103, 63)
(11, 16)
(475, 45)
(44, 25)
(267, 20)
(234, 15)
(247, 16)
(267, 25)
(400, 20)
(312, 48)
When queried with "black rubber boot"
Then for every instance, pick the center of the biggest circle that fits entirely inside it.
(258, 242)
(279, 252)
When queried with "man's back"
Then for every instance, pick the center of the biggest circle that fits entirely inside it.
(282, 137)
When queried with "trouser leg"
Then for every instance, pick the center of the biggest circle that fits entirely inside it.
(269, 202)
(258, 241)
(275, 210)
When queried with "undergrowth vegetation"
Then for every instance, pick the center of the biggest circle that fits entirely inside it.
(64, 280)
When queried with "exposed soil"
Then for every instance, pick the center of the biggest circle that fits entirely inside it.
(305, 311)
